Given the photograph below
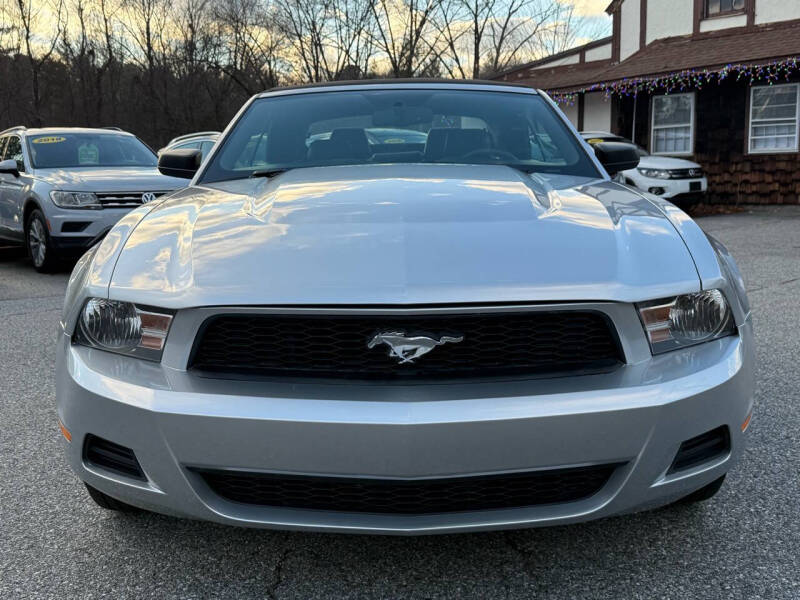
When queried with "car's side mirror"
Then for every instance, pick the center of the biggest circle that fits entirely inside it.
(9, 166)
(616, 156)
(180, 163)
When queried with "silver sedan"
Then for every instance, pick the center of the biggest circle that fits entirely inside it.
(467, 326)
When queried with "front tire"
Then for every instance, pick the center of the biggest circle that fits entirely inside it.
(37, 240)
(105, 501)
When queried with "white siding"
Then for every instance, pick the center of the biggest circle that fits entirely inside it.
(666, 18)
(596, 112)
(571, 112)
(718, 23)
(572, 59)
(629, 28)
(599, 53)
(768, 11)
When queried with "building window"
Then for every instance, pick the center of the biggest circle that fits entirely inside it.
(720, 7)
(673, 124)
(773, 118)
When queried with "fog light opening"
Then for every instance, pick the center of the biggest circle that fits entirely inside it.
(658, 191)
(701, 449)
(64, 431)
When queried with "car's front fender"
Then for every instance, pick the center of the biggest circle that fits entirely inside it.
(92, 274)
(713, 264)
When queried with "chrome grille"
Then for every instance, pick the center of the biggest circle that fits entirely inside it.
(685, 173)
(123, 199)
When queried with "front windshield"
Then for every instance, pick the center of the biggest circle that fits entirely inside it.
(70, 150)
(383, 126)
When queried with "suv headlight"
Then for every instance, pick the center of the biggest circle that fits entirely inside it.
(655, 173)
(74, 199)
(123, 327)
(686, 320)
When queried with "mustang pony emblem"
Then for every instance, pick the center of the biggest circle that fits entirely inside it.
(409, 348)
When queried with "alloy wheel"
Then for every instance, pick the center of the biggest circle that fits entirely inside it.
(37, 242)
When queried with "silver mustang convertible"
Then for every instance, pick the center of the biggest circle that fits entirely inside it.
(462, 325)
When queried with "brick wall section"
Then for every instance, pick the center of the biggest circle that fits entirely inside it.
(734, 176)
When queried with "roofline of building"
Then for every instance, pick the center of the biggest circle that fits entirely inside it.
(733, 31)
(554, 57)
(647, 76)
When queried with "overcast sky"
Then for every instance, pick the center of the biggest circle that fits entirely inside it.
(595, 23)
(591, 8)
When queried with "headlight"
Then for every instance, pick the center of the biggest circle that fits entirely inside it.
(655, 173)
(686, 320)
(123, 327)
(74, 199)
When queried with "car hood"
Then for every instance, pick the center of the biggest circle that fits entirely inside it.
(666, 162)
(111, 179)
(402, 234)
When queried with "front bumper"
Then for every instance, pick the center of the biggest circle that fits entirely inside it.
(638, 416)
(91, 226)
(673, 189)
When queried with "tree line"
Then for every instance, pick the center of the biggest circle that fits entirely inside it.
(159, 68)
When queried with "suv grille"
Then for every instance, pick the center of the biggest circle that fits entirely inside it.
(532, 343)
(421, 496)
(686, 173)
(123, 199)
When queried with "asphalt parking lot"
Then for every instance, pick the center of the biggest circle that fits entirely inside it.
(745, 543)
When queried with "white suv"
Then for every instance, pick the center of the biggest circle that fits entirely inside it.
(680, 181)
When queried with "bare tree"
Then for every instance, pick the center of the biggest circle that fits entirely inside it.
(405, 35)
(329, 38)
(43, 22)
(164, 67)
(482, 37)
(251, 44)
(517, 32)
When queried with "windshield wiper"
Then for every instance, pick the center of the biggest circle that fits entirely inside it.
(269, 172)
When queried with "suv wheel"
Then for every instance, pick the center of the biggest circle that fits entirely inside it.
(109, 503)
(38, 241)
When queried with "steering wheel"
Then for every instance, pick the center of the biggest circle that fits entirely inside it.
(492, 154)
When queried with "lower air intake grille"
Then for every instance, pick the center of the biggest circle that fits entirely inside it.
(534, 343)
(112, 457)
(412, 497)
(702, 448)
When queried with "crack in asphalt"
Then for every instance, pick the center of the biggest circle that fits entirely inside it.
(277, 573)
(773, 286)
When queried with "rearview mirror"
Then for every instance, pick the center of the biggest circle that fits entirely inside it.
(402, 116)
(616, 156)
(9, 166)
(180, 163)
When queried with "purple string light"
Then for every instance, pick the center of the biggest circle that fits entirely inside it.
(682, 81)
